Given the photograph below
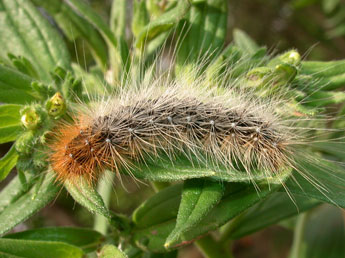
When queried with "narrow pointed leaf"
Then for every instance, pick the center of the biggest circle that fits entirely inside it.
(87, 196)
(28, 204)
(118, 49)
(151, 237)
(15, 87)
(38, 249)
(118, 27)
(244, 42)
(274, 209)
(161, 207)
(75, 26)
(86, 239)
(14, 190)
(10, 125)
(322, 180)
(198, 198)
(163, 23)
(206, 21)
(323, 69)
(8, 162)
(181, 169)
(88, 13)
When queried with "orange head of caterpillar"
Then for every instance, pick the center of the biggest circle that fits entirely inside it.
(76, 151)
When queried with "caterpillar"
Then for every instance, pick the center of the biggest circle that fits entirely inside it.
(170, 118)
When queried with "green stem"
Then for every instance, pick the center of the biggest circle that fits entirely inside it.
(104, 189)
(297, 244)
(211, 249)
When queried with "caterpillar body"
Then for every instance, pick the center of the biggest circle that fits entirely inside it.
(205, 123)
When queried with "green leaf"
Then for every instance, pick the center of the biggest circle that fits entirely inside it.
(15, 87)
(37, 249)
(75, 26)
(140, 17)
(323, 69)
(23, 65)
(8, 162)
(248, 62)
(118, 27)
(86, 195)
(111, 251)
(323, 98)
(227, 58)
(14, 190)
(238, 198)
(151, 233)
(161, 207)
(163, 23)
(82, 27)
(275, 208)
(84, 238)
(28, 203)
(118, 18)
(206, 21)
(114, 46)
(10, 124)
(182, 169)
(166, 172)
(88, 13)
(336, 149)
(198, 198)
(25, 32)
(327, 83)
(321, 180)
(323, 234)
(244, 42)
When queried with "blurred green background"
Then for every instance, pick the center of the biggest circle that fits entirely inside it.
(316, 28)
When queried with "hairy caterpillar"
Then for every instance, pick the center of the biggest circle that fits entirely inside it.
(210, 124)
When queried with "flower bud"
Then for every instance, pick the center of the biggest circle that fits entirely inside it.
(30, 118)
(56, 106)
(291, 57)
(284, 73)
(25, 143)
(258, 76)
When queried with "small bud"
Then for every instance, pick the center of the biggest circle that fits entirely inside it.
(56, 106)
(25, 143)
(30, 118)
(284, 73)
(291, 57)
(258, 76)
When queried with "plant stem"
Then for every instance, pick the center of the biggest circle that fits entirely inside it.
(297, 244)
(104, 189)
(211, 249)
